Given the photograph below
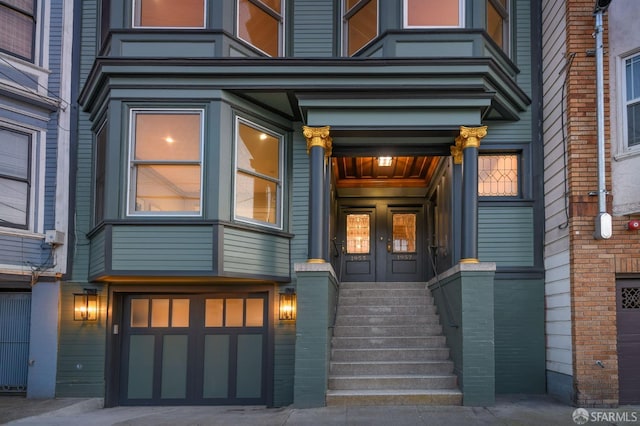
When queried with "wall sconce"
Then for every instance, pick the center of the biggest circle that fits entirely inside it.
(288, 305)
(85, 305)
(384, 161)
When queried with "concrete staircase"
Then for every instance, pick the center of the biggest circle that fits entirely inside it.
(388, 348)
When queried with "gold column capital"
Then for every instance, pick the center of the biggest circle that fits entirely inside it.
(456, 151)
(318, 136)
(471, 136)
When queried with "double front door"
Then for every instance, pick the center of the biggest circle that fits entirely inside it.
(382, 242)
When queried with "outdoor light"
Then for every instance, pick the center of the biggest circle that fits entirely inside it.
(384, 161)
(85, 305)
(601, 5)
(288, 305)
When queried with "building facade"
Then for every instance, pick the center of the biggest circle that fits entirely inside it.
(35, 117)
(591, 279)
(232, 153)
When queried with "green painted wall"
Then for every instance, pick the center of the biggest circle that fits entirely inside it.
(505, 235)
(313, 28)
(250, 252)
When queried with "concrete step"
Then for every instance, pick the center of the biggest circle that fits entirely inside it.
(382, 292)
(407, 381)
(389, 342)
(386, 320)
(385, 301)
(416, 310)
(387, 330)
(394, 397)
(398, 354)
(371, 368)
(383, 284)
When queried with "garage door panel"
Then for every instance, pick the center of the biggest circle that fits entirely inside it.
(628, 320)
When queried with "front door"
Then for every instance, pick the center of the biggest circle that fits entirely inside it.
(194, 349)
(382, 242)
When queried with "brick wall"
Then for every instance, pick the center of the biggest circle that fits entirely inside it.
(594, 263)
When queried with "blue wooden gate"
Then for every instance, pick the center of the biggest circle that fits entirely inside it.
(15, 312)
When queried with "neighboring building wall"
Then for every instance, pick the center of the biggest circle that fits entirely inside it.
(557, 63)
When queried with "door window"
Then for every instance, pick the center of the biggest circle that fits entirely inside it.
(404, 232)
(358, 233)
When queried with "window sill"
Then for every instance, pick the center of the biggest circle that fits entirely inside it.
(627, 153)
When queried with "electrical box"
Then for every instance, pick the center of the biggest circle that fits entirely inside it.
(54, 237)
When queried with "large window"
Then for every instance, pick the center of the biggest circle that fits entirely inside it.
(360, 18)
(498, 175)
(498, 22)
(165, 162)
(15, 184)
(632, 101)
(258, 183)
(169, 13)
(17, 27)
(260, 24)
(433, 13)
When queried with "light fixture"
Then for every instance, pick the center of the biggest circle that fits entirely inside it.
(85, 305)
(384, 161)
(601, 5)
(288, 305)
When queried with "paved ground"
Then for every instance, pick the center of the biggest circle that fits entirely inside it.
(511, 410)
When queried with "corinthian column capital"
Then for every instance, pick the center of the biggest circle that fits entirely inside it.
(471, 136)
(318, 136)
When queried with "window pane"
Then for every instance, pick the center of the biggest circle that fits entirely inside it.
(433, 13)
(362, 27)
(139, 312)
(633, 124)
(14, 154)
(498, 175)
(165, 136)
(495, 25)
(180, 313)
(213, 313)
(273, 4)
(256, 198)
(235, 313)
(258, 28)
(13, 201)
(167, 188)
(16, 32)
(160, 313)
(255, 312)
(358, 231)
(404, 233)
(258, 152)
(170, 13)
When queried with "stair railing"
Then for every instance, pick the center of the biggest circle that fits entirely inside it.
(433, 254)
(339, 251)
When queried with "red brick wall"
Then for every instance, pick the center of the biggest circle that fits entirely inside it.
(594, 263)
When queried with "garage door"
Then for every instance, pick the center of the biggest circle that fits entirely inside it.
(628, 301)
(196, 349)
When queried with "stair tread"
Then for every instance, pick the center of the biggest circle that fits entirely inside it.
(393, 376)
(394, 392)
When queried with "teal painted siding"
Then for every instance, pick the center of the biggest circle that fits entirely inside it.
(313, 28)
(97, 254)
(300, 198)
(284, 363)
(519, 336)
(505, 235)
(162, 248)
(250, 252)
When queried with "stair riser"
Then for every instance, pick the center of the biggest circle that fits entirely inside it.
(388, 342)
(379, 285)
(380, 383)
(360, 355)
(376, 368)
(385, 301)
(386, 310)
(386, 320)
(384, 293)
(387, 331)
(435, 399)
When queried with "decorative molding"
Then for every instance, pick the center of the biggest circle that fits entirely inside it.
(471, 136)
(318, 136)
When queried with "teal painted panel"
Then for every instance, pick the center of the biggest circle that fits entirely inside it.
(505, 235)
(216, 366)
(519, 336)
(174, 367)
(313, 28)
(284, 363)
(97, 254)
(162, 248)
(434, 49)
(255, 253)
(140, 384)
(189, 49)
(395, 118)
(299, 198)
(249, 362)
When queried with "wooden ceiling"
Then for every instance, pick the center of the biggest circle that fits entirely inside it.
(364, 172)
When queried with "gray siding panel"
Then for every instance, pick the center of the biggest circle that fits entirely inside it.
(505, 235)
(97, 254)
(250, 252)
(162, 248)
(300, 199)
(313, 28)
(21, 252)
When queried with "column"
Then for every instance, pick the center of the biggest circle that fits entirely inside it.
(319, 149)
(465, 151)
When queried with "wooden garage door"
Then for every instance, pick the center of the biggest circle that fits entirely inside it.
(628, 307)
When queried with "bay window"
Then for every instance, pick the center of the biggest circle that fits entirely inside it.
(260, 23)
(165, 162)
(18, 27)
(631, 111)
(433, 13)
(360, 19)
(258, 176)
(498, 22)
(169, 14)
(15, 178)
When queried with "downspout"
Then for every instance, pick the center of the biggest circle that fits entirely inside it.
(603, 225)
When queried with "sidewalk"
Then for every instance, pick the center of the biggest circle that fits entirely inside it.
(531, 410)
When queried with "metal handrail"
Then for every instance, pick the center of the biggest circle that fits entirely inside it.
(447, 305)
(339, 248)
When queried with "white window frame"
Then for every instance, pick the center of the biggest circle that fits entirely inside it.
(625, 148)
(135, 5)
(281, 27)
(461, 16)
(279, 182)
(345, 38)
(35, 211)
(131, 183)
